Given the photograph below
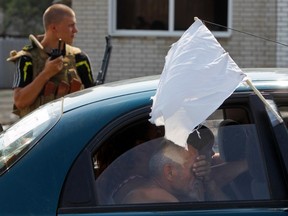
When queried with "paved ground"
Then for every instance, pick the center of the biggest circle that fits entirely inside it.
(6, 105)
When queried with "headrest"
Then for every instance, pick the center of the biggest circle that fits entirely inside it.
(232, 139)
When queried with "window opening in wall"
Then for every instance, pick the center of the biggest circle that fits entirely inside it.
(213, 11)
(168, 17)
(142, 15)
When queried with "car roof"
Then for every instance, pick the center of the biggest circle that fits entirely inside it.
(266, 79)
(269, 79)
(110, 90)
(267, 74)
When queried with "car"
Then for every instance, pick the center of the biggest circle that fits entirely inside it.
(77, 155)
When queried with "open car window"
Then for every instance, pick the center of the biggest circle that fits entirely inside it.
(125, 165)
(129, 170)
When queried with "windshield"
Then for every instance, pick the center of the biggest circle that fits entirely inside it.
(20, 137)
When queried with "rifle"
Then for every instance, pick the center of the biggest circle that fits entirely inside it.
(105, 62)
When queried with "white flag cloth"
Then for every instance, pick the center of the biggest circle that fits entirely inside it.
(198, 76)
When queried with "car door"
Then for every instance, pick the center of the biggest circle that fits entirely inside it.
(115, 163)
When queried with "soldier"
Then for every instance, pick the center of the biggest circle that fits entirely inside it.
(40, 77)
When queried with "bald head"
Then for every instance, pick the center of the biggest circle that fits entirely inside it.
(55, 14)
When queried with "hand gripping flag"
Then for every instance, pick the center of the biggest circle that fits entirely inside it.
(197, 77)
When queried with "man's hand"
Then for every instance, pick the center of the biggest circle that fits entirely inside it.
(202, 168)
(53, 67)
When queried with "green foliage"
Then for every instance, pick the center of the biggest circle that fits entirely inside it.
(23, 17)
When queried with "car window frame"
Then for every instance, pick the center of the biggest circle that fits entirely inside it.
(270, 148)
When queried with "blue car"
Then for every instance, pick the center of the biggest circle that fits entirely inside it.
(95, 152)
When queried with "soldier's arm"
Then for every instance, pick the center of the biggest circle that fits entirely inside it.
(24, 96)
(84, 69)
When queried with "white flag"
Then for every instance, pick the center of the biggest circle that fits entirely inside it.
(198, 76)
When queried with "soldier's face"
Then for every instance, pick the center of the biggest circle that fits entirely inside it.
(67, 29)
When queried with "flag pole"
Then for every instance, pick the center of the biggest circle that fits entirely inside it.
(257, 92)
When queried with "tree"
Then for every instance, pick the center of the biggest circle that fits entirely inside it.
(22, 17)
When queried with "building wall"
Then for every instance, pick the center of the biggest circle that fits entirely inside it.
(282, 33)
(258, 18)
(140, 56)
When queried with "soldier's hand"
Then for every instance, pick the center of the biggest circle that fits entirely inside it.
(52, 67)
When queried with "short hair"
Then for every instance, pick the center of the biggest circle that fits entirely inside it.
(159, 159)
(55, 13)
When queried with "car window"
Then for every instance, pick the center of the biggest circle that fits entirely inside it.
(20, 137)
(130, 166)
(123, 140)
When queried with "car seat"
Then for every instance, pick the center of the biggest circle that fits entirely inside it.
(259, 184)
(232, 141)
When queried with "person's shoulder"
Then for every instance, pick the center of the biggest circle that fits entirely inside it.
(24, 54)
(82, 56)
(149, 194)
(161, 195)
(71, 50)
(77, 52)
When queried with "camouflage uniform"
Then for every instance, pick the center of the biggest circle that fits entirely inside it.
(75, 75)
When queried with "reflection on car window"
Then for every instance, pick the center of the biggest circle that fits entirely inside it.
(123, 141)
(155, 170)
(240, 153)
(272, 112)
(284, 114)
(130, 168)
(20, 137)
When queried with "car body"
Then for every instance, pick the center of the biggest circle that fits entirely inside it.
(68, 156)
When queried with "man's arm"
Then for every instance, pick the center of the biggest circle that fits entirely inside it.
(84, 70)
(25, 96)
(226, 172)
